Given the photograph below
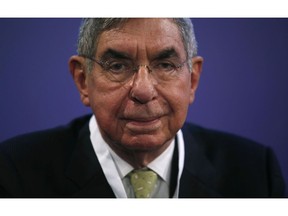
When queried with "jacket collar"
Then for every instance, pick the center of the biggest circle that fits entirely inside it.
(199, 177)
(85, 171)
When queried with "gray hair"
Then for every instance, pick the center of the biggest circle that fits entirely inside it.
(91, 29)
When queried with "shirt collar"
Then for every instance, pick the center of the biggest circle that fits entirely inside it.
(161, 165)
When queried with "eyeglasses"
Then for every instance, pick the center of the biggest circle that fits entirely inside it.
(121, 70)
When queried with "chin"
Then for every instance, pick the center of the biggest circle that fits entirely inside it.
(144, 143)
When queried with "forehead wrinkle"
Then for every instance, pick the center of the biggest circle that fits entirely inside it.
(144, 45)
(111, 43)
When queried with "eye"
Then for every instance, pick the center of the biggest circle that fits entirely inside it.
(116, 67)
(164, 66)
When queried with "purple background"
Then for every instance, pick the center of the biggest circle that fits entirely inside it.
(243, 88)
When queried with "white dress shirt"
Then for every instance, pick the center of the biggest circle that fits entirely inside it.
(116, 169)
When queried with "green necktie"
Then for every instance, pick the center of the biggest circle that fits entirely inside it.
(143, 182)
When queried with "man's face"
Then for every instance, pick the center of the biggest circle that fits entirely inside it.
(143, 112)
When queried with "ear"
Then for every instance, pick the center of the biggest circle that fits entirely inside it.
(197, 63)
(77, 70)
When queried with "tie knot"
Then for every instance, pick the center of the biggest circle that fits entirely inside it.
(143, 182)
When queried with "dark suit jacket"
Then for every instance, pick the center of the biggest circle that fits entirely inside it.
(61, 163)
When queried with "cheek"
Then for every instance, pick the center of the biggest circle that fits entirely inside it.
(177, 98)
(105, 101)
(180, 107)
(105, 106)
(178, 95)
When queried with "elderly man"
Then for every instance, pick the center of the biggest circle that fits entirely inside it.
(139, 77)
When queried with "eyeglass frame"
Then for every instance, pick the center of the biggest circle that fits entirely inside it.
(135, 69)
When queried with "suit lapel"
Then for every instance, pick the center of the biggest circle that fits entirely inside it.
(85, 171)
(199, 178)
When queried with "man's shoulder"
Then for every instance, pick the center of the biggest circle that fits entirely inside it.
(245, 168)
(49, 137)
(216, 139)
(226, 151)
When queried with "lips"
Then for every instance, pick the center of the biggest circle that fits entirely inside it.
(141, 119)
(143, 124)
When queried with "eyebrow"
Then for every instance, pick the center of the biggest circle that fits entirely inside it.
(112, 53)
(166, 53)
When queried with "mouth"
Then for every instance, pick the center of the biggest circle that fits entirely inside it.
(143, 125)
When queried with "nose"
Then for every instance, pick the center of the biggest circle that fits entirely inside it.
(143, 86)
